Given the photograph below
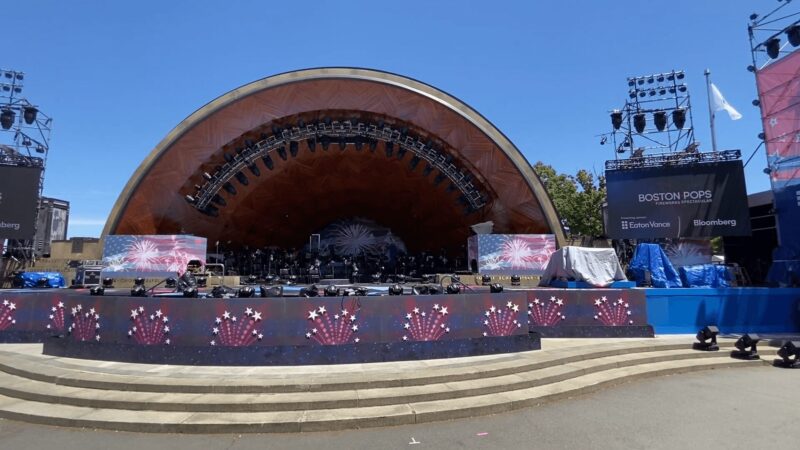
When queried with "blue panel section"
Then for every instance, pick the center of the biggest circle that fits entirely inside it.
(733, 310)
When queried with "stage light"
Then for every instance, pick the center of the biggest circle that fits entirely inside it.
(707, 338)
(434, 289)
(211, 210)
(639, 122)
(218, 292)
(202, 282)
(331, 291)
(679, 118)
(242, 178)
(29, 113)
(641, 81)
(138, 281)
(254, 169)
(515, 280)
(171, 282)
(190, 292)
(272, 291)
(219, 200)
(7, 119)
(662, 91)
(671, 77)
(790, 353)
(486, 280)
(294, 148)
(793, 34)
(773, 47)
(229, 188)
(632, 94)
(652, 93)
(310, 291)
(325, 141)
(751, 68)
(679, 75)
(359, 143)
(207, 176)
(650, 80)
(660, 120)
(246, 292)
(495, 288)
(631, 82)
(312, 144)
(282, 152)
(138, 291)
(373, 145)
(108, 282)
(756, 102)
(268, 162)
(342, 143)
(603, 140)
(616, 119)
(642, 93)
(453, 289)
(660, 78)
(395, 289)
(761, 135)
(753, 16)
(682, 88)
(743, 343)
(389, 148)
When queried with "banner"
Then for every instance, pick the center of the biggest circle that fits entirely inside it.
(19, 199)
(164, 256)
(511, 254)
(692, 200)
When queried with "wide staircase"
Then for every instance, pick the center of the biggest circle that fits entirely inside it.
(161, 398)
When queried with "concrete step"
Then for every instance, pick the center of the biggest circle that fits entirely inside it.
(33, 390)
(349, 417)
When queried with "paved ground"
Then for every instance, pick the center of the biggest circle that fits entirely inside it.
(745, 408)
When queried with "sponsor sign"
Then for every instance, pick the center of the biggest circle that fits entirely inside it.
(19, 199)
(693, 200)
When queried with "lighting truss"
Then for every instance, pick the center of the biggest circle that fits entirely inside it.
(338, 131)
(773, 33)
(672, 159)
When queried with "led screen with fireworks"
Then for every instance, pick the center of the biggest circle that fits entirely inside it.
(511, 254)
(151, 256)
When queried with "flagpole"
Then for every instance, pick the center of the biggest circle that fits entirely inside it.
(710, 111)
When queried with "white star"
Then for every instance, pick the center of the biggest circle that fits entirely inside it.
(597, 302)
(12, 306)
(604, 298)
(257, 316)
(408, 316)
(165, 319)
(416, 310)
(213, 342)
(152, 316)
(60, 304)
(344, 312)
(51, 316)
(134, 329)
(260, 336)
(74, 311)
(226, 315)
(218, 320)
(91, 311)
(441, 326)
(130, 332)
(321, 309)
(444, 310)
(487, 314)
(53, 309)
(141, 309)
(167, 341)
(447, 330)
(215, 330)
(79, 307)
(423, 314)
(486, 322)
(560, 302)
(355, 327)
(619, 302)
(357, 340)
(97, 338)
(248, 311)
(233, 318)
(595, 317)
(515, 308)
(308, 335)
(335, 317)
(773, 121)
(314, 331)
(254, 332)
(508, 305)
(166, 329)
(312, 314)
(627, 305)
(631, 322)
(492, 309)
(485, 334)
(159, 313)
(552, 299)
(628, 313)
(435, 306)
(406, 325)
(5, 302)
(133, 314)
(97, 325)
(352, 318)
(405, 338)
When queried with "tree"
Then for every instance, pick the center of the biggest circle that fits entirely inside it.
(578, 199)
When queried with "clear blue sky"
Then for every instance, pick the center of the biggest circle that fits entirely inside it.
(117, 76)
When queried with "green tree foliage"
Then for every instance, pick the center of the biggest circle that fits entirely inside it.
(578, 199)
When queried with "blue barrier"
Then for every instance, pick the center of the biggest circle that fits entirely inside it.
(733, 310)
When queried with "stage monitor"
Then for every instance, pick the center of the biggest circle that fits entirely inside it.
(150, 256)
(19, 199)
(691, 200)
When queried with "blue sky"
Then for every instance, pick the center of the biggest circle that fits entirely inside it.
(117, 76)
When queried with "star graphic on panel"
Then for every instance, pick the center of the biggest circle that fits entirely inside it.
(597, 302)
(603, 298)
(314, 331)
(257, 316)
(407, 325)
(213, 342)
(515, 308)
(53, 309)
(322, 310)
(422, 314)
(308, 335)
(141, 309)
(97, 338)
(159, 313)
(416, 310)
(165, 319)
(226, 315)
(166, 329)
(492, 309)
(51, 316)
(344, 312)
(357, 340)
(233, 318)
(435, 306)
(487, 313)
(60, 304)
(79, 307)
(218, 320)
(508, 305)
(335, 317)
(552, 299)
(405, 338)
(355, 327)
(773, 121)
(133, 313)
(91, 311)
(5, 302)
(408, 316)
(312, 314)
(215, 330)
(167, 341)
(260, 336)
(559, 302)
(152, 316)
(444, 310)
(485, 334)
(486, 322)
(248, 311)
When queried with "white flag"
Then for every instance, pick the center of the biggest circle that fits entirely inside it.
(719, 103)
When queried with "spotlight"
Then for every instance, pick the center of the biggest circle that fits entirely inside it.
(254, 169)
(108, 282)
(312, 144)
(389, 149)
(660, 78)
(211, 210)
(486, 280)
(660, 120)
(373, 145)
(434, 289)
(773, 47)
(326, 142)
(756, 102)
(631, 82)
(246, 292)
(495, 288)
(639, 122)
(793, 34)
(268, 162)
(632, 94)
(229, 188)
(395, 289)
(642, 93)
(29, 112)
(218, 292)
(190, 292)
(219, 200)
(138, 281)
(331, 291)
(753, 16)
(751, 68)
(742, 344)
(272, 291)
(603, 140)
(679, 118)
(641, 81)
(171, 283)
(679, 75)
(342, 143)
(282, 152)
(310, 291)
(202, 282)
(453, 288)
(616, 119)
(138, 291)
(97, 290)
(787, 350)
(294, 148)
(6, 119)
(761, 135)
(650, 80)
(207, 176)
(707, 338)
(515, 280)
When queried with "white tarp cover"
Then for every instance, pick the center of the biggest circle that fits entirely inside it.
(596, 266)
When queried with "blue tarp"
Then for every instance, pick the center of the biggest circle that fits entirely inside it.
(651, 258)
(31, 279)
(705, 275)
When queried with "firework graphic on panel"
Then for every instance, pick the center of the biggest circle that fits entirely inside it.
(55, 317)
(7, 308)
(150, 329)
(612, 313)
(126, 255)
(359, 236)
(422, 326)
(513, 253)
(231, 331)
(546, 312)
(85, 324)
(333, 327)
(502, 321)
